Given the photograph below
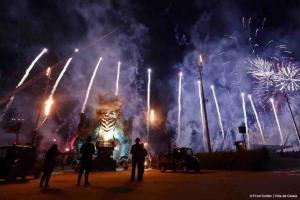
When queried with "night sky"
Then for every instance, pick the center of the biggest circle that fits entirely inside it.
(159, 34)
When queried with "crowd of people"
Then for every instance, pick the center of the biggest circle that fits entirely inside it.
(86, 152)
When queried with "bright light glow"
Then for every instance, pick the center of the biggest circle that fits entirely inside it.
(117, 80)
(277, 121)
(257, 119)
(48, 72)
(148, 103)
(200, 59)
(54, 140)
(48, 105)
(245, 119)
(90, 86)
(201, 111)
(218, 111)
(152, 116)
(179, 108)
(67, 149)
(76, 50)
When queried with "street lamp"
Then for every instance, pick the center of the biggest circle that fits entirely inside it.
(200, 68)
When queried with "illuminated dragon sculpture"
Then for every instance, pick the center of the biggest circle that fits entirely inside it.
(106, 129)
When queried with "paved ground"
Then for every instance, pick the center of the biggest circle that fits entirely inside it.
(165, 186)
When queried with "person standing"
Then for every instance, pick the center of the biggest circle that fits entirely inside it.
(87, 151)
(49, 164)
(136, 152)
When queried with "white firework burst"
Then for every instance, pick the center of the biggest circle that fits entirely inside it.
(288, 77)
(263, 71)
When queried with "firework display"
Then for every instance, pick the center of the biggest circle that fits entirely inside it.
(28, 70)
(271, 77)
(90, 85)
(50, 100)
(117, 79)
(288, 77)
(277, 121)
(218, 111)
(257, 119)
(179, 107)
(148, 103)
(281, 76)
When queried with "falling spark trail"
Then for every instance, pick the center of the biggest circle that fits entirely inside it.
(50, 99)
(243, 22)
(179, 108)
(23, 80)
(30, 67)
(201, 111)
(256, 32)
(117, 80)
(148, 103)
(218, 111)
(263, 23)
(245, 119)
(60, 76)
(277, 121)
(257, 119)
(249, 23)
(90, 85)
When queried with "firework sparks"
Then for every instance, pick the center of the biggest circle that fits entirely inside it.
(277, 121)
(48, 105)
(218, 111)
(179, 107)
(274, 78)
(263, 71)
(90, 85)
(148, 103)
(50, 99)
(117, 80)
(28, 70)
(245, 119)
(288, 77)
(257, 119)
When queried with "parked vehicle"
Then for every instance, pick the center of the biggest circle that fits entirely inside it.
(179, 159)
(18, 161)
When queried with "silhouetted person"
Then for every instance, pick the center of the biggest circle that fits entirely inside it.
(49, 164)
(87, 151)
(136, 151)
(141, 163)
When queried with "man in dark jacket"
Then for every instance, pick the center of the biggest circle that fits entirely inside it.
(49, 164)
(136, 151)
(87, 151)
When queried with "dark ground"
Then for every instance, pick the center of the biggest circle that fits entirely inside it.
(115, 185)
